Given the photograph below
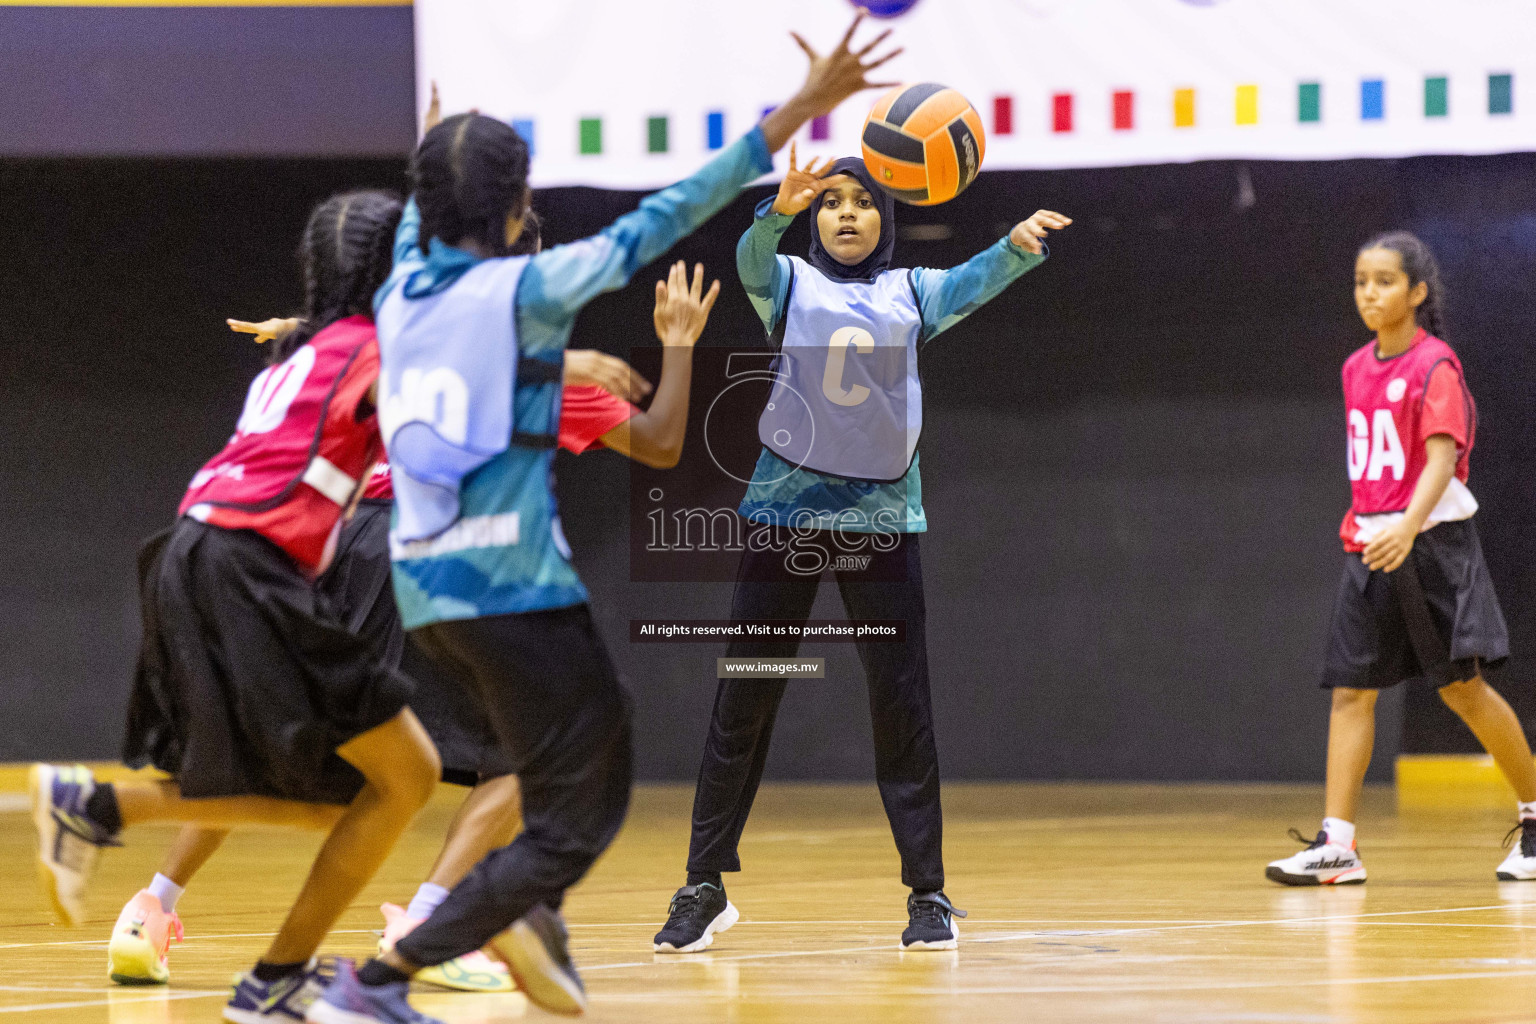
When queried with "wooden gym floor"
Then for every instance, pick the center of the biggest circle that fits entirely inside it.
(1088, 903)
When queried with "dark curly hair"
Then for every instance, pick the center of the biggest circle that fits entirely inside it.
(470, 174)
(1419, 264)
(346, 255)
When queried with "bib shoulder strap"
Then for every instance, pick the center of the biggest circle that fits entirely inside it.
(776, 336)
(542, 442)
(538, 371)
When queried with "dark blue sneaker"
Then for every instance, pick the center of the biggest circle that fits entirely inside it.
(283, 1001)
(931, 923)
(68, 841)
(349, 1001)
(535, 951)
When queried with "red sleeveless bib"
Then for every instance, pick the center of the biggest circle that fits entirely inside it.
(298, 451)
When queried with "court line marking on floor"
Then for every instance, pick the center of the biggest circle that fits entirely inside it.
(1339, 918)
(200, 938)
(1142, 925)
(1101, 989)
(114, 1001)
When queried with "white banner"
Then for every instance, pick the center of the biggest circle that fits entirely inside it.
(637, 93)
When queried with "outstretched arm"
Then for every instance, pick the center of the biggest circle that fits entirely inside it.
(763, 272)
(946, 297)
(565, 278)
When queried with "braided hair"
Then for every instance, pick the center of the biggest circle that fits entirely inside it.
(1419, 264)
(346, 253)
(469, 175)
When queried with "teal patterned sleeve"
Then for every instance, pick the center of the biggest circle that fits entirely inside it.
(763, 272)
(948, 296)
(561, 280)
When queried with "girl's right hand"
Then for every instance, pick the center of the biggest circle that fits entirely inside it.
(585, 367)
(835, 76)
(1029, 235)
(800, 187)
(683, 309)
(275, 329)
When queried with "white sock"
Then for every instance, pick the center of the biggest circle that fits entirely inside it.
(1339, 831)
(426, 900)
(1527, 810)
(166, 891)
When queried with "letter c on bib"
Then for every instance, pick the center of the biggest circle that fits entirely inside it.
(837, 359)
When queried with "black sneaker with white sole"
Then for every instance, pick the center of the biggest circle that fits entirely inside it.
(931, 922)
(698, 913)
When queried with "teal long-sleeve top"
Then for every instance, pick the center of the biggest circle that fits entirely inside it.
(507, 552)
(783, 495)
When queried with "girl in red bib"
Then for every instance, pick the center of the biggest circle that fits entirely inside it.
(1416, 601)
(252, 693)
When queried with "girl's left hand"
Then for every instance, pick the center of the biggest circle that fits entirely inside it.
(1389, 549)
(1029, 234)
(682, 309)
(268, 330)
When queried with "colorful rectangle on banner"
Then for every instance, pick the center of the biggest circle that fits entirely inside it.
(1123, 110)
(1247, 104)
(1437, 96)
(1309, 102)
(1061, 112)
(821, 128)
(1002, 115)
(1501, 94)
(714, 129)
(590, 136)
(524, 128)
(1183, 108)
(1373, 99)
(656, 135)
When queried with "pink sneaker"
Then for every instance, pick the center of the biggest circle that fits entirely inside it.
(472, 972)
(141, 941)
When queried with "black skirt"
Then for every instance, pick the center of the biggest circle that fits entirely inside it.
(358, 584)
(1435, 618)
(248, 679)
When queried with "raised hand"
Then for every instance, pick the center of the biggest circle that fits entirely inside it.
(434, 111)
(831, 79)
(1029, 234)
(268, 330)
(681, 308)
(802, 185)
(586, 367)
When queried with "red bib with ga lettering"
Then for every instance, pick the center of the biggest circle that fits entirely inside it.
(1387, 423)
(299, 450)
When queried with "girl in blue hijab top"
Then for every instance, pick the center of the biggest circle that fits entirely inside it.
(837, 485)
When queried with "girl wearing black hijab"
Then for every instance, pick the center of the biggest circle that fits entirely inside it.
(837, 486)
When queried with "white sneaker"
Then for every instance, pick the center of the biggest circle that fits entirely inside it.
(1321, 863)
(1520, 865)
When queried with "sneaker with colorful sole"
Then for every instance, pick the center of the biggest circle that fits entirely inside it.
(472, 972)
(141, 942)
